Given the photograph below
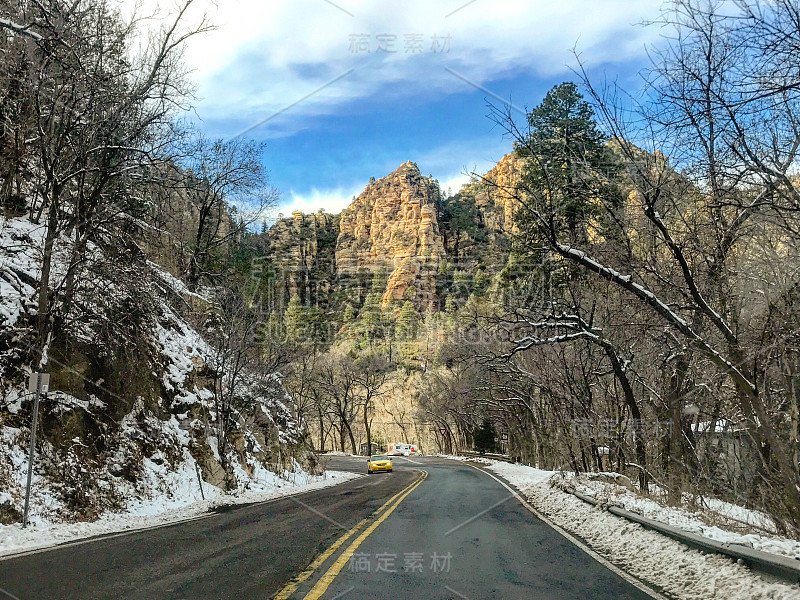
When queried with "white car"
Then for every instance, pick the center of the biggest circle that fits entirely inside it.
(402, 449)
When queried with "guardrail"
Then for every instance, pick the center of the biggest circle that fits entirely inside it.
(766, 562)
(500, 457)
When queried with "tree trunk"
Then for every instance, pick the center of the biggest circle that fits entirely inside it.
(321, 430)
(367, 428)
(352, 437)
(636, 415)
(43, 318)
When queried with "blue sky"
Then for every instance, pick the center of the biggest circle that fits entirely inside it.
(421, 98)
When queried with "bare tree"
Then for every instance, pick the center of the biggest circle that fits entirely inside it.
(98, 111)
(682, 243)
(336, 375)
(227, 191)
(243, 379)
(372, 376)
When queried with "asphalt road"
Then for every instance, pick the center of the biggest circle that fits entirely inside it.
(432, 529)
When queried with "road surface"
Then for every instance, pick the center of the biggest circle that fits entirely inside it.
(432, 529)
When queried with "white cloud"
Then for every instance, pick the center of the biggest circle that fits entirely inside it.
(267, 54)
(330, 200)
(455, 183)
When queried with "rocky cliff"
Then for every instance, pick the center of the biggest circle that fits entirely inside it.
(481, 222)
(302, 253)
(495, 196)
(391, 234)
(392, 226)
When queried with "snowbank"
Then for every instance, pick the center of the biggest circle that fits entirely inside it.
(679, 571)
(521, 476)
(713, 520)
(474, 459)
(182, 501)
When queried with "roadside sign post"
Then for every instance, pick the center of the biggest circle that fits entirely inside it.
(38, 383)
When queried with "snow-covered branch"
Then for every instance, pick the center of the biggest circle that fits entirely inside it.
(21, 29)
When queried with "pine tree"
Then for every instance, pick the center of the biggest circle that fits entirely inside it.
(407, 322)
(485, 437)
(370, 317)
(569, 180)
(296, 320)
(462, 283)
(480, 282)
(379, 280)
(348, 314)
(567, 153)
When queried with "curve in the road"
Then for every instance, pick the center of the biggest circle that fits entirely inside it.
(292, 586)
(494, 547)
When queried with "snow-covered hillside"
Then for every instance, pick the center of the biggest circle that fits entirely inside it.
(128, 426)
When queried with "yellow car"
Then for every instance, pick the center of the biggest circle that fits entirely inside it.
(379, 462)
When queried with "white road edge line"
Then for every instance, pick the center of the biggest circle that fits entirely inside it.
(610, 566)
(110, 536)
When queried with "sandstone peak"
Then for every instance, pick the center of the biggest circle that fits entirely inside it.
(392, 225)
(497, 200)
(391, 229)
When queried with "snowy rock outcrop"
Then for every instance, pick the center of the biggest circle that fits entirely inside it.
(134, 407)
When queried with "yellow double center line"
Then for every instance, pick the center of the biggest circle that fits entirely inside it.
(325, 581)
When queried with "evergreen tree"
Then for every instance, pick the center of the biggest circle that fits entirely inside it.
(296, 320)
(569, 181)
(407, 322)
(370, 317)
(462, 283)
(480, 282)
(348, 314)
(458, 221)
(485, 437)
(567, 159)
(379, 280)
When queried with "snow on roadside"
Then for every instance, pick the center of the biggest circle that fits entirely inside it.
(521, 476)
(696, 522)
(182, 501)
(475, 459)
(678, 570)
